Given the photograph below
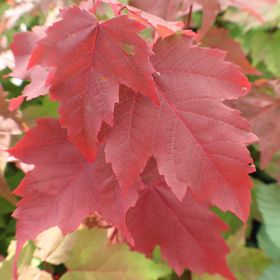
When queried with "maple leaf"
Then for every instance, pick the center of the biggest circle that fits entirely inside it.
(262, 108)
(91, 60)
(166, 9)
(63, 188)
(164, 28)
(187, 232)
(10, 124)
(22, 47)
(172, 9)
(197, 141)
(220, 38)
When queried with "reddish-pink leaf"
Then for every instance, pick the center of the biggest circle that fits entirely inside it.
(91, 59)
(262, 108)
(10, 124)
(22, 47)
(172, 9)
(220, 38)
(64, 188)
(166, 9)
(16, 102)
(197, 141)
(164, 28)
(188, 233)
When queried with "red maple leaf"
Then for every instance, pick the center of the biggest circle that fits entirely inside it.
(91, 60)
(166, 9)
(197, 141)
(22, 47)
(172, 9)
(64, 188)
(220, 38)
(164, 28)
(187, 233)
(262, 108)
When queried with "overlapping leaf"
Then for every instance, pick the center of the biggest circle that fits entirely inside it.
(63, 188)
(188, 233)
(220, 38)
(164, 28)
(91, 59)
(197, 141)
(121, 104)
(246, 263)
(170, 10)
(22, 47)
(262, 108)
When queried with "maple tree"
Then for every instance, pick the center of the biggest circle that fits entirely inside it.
(149, 140)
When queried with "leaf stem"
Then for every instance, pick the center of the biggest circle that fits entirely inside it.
(189, 275)
(189, 19)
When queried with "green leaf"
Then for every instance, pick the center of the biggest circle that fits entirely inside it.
(268, 246)
(272, 273)
(25, 259)
(93, 258)
(47, 108)
(233, 222)
(265, 49)
(5, 206)
(268, 199)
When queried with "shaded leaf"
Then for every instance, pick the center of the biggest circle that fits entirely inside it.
(268, 198)
(268, 246)
(221, 39)
(262, 108)
(272, 273)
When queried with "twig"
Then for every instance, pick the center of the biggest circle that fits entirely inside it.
(189, 19)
